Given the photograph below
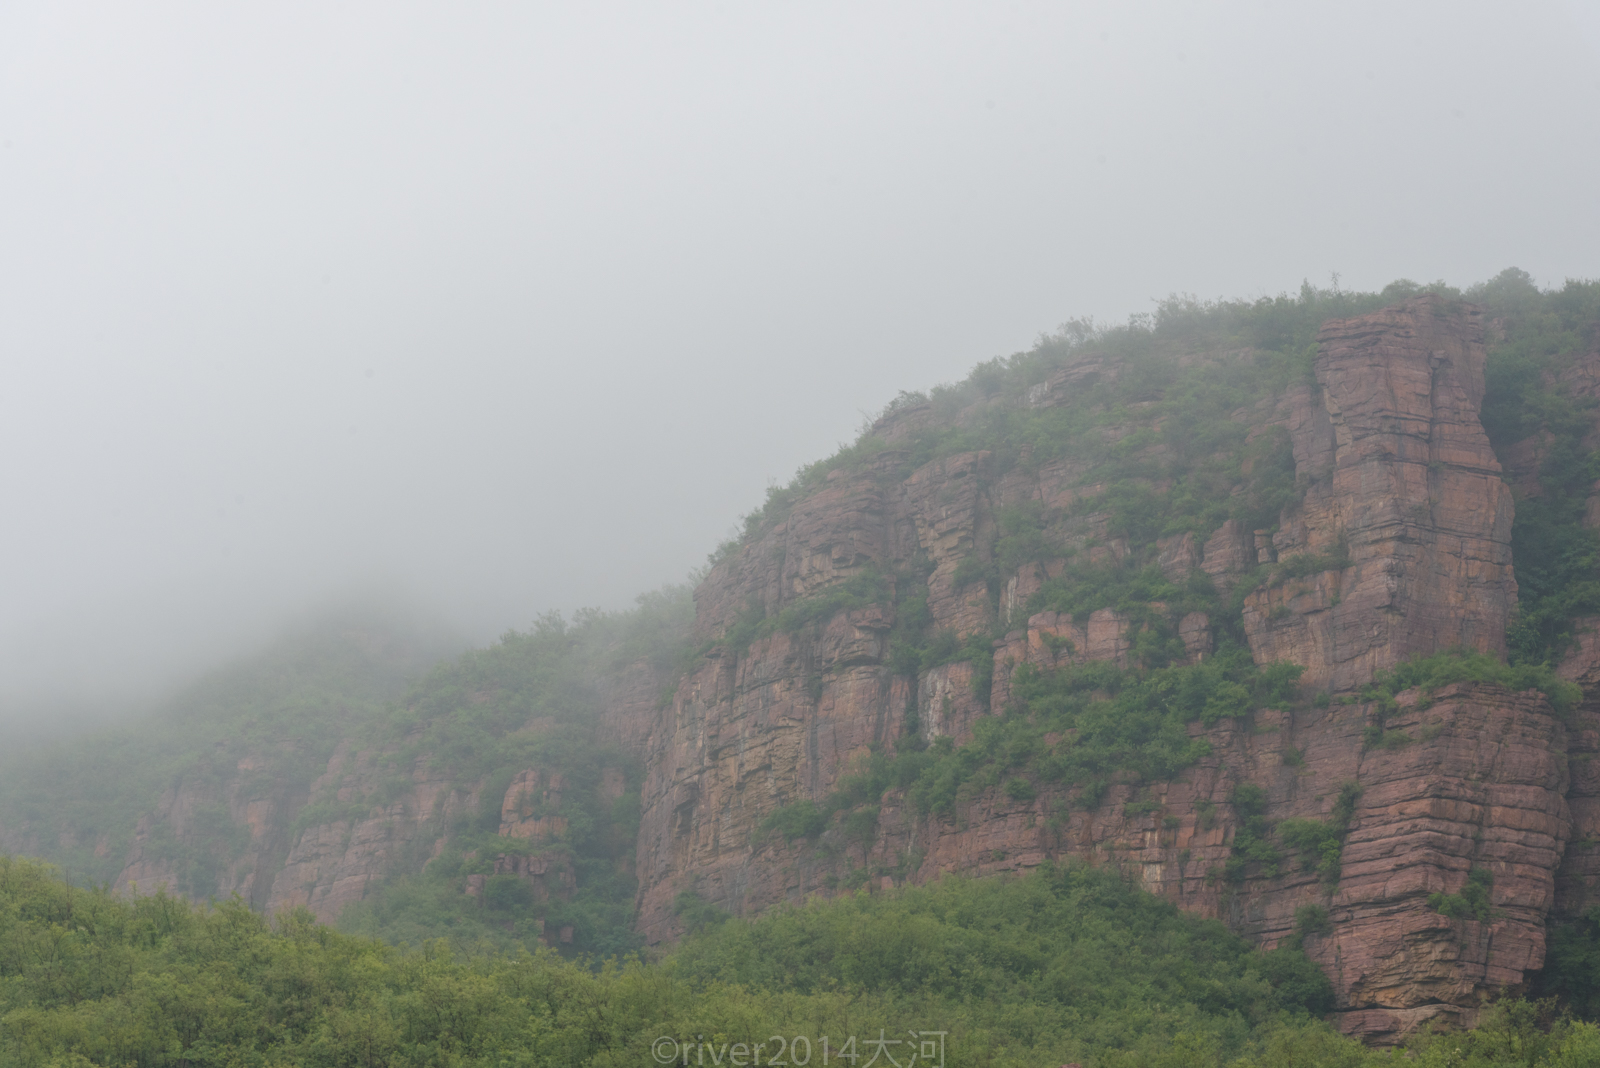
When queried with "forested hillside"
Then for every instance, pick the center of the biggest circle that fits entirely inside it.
(1064, 965)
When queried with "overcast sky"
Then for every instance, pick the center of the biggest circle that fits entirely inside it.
(519, 306)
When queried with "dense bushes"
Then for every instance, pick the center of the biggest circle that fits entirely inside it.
(1067, 965)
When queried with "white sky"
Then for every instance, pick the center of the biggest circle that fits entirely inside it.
(520, 306)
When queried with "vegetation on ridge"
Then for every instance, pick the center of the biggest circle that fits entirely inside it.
(989, 409)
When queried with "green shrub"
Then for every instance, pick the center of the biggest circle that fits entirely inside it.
(1319, 845)
(1311, 919)
(1019, 789)
(507, 893)
(1473, 900)
(696, 913)
(800, 819)
(1252, 847)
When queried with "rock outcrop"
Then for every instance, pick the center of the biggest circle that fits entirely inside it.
(1403, 540)
(333, 863)
(1398, 546)
(183, 844)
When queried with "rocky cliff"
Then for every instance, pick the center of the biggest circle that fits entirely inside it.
(1403, 490)
(1397, 543)
(1107, 516)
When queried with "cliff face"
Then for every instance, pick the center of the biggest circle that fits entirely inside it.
(333, 863)
(1404, 492)
(1398, 545)
(178, 844)
(1395, 542)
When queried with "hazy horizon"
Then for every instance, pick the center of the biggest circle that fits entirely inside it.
(520, 308)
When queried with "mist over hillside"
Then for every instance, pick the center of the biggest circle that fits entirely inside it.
(1204, 607)
(620, 533)
(518, 310)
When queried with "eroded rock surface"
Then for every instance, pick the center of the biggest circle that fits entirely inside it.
(1399, 547)
(1405, 513)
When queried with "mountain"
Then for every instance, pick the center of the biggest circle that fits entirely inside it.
(1283, 609)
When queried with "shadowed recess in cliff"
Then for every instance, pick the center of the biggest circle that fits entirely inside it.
(1541, 412)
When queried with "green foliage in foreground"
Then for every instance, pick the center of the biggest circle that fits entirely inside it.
(1067, 965)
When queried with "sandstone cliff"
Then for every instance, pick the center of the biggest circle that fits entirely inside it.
(1397, 544)
(1342, 515)
(1403, 490)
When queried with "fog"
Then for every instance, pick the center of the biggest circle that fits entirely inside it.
(505, 308)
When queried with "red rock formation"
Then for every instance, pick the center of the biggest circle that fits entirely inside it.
(332, 865)
(1578, 880)
(1404, 485)
(1399, 479)
(528, 809)
(180, 836)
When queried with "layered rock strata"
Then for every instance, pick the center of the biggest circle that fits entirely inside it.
(1399, 546)
(1404, 501)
